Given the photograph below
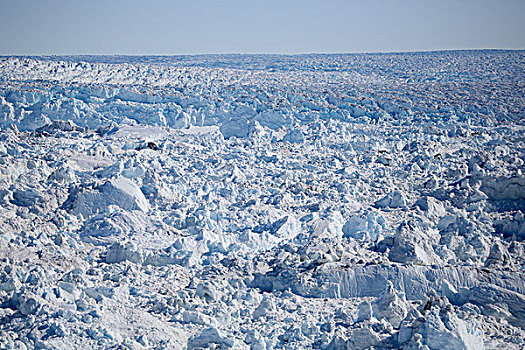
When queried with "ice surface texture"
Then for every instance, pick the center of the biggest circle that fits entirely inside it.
(263, 202)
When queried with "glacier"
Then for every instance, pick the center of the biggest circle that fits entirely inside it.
(342, 201)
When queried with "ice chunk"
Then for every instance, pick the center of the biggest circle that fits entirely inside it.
(395, 199)
(432, 206)
(504, 188)
(235, 127)
(294, 136)
(413, 243)
(446, 221)
(272, 119)
(448, 332)
(28, 303)
(207, 291)
(59, 125)
(120, 191)
(329, 227)
(498, 255)
(10, 284)
(266, 307)
(455, 297)
(208, 337)
(26, 197)
(365, 312)
(34, 121)
(64, 174)
(119, 252)
(368, 225)
(391, 306)
(106, 228)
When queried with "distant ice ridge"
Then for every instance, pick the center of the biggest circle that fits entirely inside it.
(97, 94)
(263, 202)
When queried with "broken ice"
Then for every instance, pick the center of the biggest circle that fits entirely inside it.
(263, 202)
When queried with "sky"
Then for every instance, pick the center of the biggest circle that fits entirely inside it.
(162, 27)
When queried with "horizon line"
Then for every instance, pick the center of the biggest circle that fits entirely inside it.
(263, 54)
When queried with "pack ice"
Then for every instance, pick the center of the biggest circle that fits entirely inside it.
(370, 201)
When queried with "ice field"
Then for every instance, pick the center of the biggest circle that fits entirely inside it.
(365, 201)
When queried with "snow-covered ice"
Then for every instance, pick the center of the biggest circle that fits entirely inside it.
(263, 202)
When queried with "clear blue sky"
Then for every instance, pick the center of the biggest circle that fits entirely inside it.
(43, 27)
